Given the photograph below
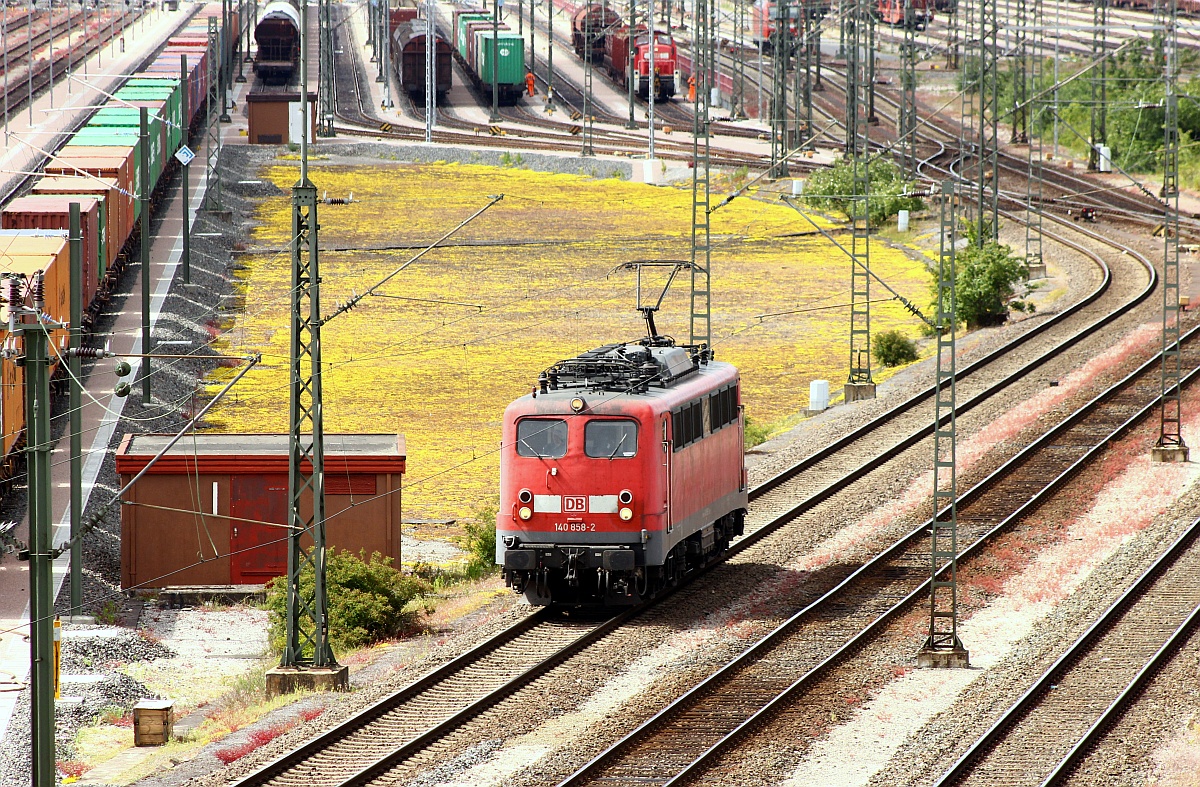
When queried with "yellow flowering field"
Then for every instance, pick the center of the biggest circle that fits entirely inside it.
(529, 284)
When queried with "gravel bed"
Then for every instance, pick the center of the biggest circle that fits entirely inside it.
(565, 716)
(588, 694)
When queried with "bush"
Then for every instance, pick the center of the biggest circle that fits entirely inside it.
(986, 279)
(367, 600)
(756, 434)
(892, 348)
(480, 543)
(833, 188)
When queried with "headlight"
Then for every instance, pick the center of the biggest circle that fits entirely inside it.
(577, 404)
(626, 514)
(524, 513)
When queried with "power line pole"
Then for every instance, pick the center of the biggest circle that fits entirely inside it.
(325, 106)
(76, 403)
(700, 332)
(629, 71)
(306, 646)
(942, 646)
(212, 178)
(144, 198)
(906, 125)
(1170, 446)
(28, 323)
(430, 67)
(588, 47)
(1034, 260)
(859, 383)
(1099, 83)
(989, 103)
(780, 144)
(495, 116)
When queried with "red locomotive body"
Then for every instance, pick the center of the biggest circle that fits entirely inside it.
(907, 13)
(592, 24)
(666, 61)
(764, 14)
(623, 472)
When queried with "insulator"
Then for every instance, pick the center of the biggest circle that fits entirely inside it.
(122, 390)
(122, 369)
(14, 295)
(88, 352)
(39, 291)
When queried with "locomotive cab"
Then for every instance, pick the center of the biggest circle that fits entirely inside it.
(619, 474)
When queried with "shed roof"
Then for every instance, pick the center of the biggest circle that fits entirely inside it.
(258, 453)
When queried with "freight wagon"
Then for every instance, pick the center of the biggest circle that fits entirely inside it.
(409, 58)
(277, 35)
(490, 52)
(100, 168)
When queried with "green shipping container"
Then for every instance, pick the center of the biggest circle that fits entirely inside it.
(130, 118)
(463, 21)
(123, 138)
(173, 112)
(510, 49)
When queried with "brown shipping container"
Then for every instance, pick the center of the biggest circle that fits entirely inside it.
(224, 498)
(119, 215)
(112, 162)
(53, 213)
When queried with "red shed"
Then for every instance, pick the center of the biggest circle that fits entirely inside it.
(209, 512)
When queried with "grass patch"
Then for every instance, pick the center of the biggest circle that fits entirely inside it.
(538, 263)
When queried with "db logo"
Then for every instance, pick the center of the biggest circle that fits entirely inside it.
(574, 504)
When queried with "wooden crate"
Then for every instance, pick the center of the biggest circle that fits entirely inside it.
(152, 722)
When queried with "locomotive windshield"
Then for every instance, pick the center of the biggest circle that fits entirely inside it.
(542, 437)
(610, 439)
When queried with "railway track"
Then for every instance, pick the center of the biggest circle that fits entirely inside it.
(680, 743)
(823, 475)
(1088, 687)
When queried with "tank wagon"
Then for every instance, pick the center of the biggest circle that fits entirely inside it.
(474, 31)
(408, 58)
(278, 37)
(619, 474)
(99, 167)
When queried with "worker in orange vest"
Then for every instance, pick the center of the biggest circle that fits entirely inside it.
(692, 88)
(529, 80)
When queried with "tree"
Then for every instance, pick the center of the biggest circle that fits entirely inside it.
(833, 188)
(986, 282)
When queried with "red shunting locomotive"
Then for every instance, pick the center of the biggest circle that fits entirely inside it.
(622, 472)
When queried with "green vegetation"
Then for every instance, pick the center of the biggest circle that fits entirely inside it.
(1134, 85)
(833, 188)
(986, 282)
(480, 543)
(367, 599)
(755, 433)
(892, 348)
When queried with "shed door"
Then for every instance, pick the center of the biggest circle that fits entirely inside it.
(260, 551)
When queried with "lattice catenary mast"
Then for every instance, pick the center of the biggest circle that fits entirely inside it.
(1170, 446)
(700, 311)
(859, 384)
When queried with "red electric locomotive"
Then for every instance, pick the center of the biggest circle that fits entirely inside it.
(620, 473)
(616, 46)
(764, 14)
